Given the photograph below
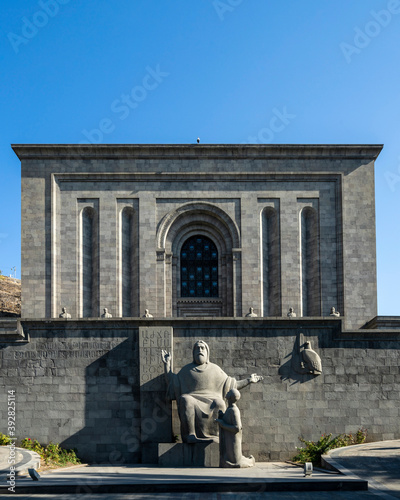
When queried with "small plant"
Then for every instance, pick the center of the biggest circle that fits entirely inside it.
(4, 439)
(350, 439)
(52, 454)
(361, 435)
(32, 445)
(313, 451)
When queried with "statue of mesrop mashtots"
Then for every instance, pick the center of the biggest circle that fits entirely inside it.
(231, 435)
(199, 389)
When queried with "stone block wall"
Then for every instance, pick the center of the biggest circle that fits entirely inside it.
(229, 187)
(359, 385)
(78, 382)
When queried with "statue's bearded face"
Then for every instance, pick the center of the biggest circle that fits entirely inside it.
(200, 354)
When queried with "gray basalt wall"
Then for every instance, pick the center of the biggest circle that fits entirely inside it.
(78, 382)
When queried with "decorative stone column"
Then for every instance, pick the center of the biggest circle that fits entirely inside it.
(161, 288)
(237, 281)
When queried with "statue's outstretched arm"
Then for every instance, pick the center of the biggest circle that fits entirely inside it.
(253, 379)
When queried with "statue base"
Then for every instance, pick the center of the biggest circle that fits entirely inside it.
(188, 455)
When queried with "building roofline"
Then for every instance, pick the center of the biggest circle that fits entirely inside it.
(222, 151)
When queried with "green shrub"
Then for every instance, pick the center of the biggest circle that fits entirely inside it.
(32, 445)
(4, 439)
(55, 454)
(350, 439)
(313, 451)
(52, 454)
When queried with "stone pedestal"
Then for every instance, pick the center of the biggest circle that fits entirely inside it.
(188, 455)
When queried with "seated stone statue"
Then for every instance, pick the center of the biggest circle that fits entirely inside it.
(230, 441)
(199, 389)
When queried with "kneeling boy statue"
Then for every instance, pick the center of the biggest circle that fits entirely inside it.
(230, 435)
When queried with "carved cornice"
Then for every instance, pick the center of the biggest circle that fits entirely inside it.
(199, 151)
(61, 177)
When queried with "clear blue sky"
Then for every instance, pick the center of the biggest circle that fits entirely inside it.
(224, 67)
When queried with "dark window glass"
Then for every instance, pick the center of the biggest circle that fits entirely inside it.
(199, 268)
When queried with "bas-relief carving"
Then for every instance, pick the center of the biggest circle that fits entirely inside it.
(147, 314)
(311, 361)
(302, 361)
(200, 388)
(151, 340)
(291, 313)
(153, 407)
(230, 435)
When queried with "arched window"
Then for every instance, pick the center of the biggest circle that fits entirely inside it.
(199, 268)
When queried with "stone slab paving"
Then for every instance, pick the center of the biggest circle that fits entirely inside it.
(264, 477)
(378, 463)
(321, 495)
(5, 456)
(19, 458)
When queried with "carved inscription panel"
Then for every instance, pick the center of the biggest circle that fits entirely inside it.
(151, 341)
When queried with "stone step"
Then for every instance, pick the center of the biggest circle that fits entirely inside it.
(11, 329)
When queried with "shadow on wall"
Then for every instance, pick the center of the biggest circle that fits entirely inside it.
(111, 432)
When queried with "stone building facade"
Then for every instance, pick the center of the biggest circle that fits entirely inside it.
(198, 235)
(292, 226)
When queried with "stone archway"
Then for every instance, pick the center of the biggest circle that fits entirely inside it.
(203, 219)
